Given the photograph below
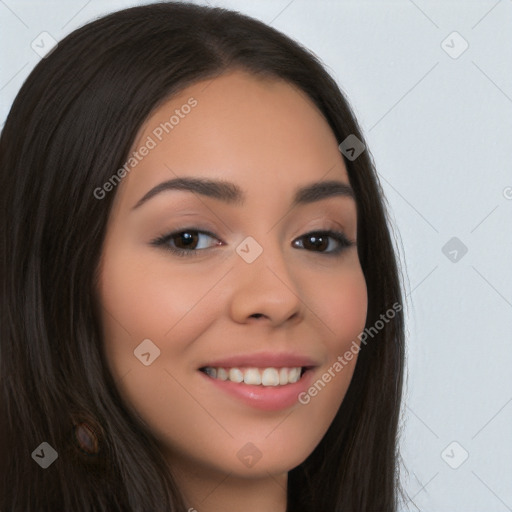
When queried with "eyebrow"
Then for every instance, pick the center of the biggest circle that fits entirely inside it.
(232, 194)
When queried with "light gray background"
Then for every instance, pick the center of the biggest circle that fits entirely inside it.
(440, 131)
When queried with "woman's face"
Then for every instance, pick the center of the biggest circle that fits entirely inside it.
(255, 292)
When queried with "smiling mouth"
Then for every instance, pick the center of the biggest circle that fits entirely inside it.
(266, 377)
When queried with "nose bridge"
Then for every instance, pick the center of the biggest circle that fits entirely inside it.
(265, 284)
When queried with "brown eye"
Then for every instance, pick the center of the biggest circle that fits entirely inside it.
(185, 242)
(319, 241)
(315, 242)
(185, 239)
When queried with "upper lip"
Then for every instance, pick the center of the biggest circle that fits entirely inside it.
(263, 360)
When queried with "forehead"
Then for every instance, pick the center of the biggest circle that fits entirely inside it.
(260, 133)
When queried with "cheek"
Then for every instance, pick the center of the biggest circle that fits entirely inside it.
(143, 298)
(342, 303)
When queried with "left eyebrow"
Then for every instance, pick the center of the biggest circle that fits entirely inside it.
(231, 193)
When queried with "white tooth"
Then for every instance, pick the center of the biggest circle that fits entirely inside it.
(293, 375)
(252, 376)
(222, 374)
(235, 375)
(270, 377)
(256, 376)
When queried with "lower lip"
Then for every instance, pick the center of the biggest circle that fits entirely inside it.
(267, 398)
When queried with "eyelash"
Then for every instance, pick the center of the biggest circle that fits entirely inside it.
(343, 241)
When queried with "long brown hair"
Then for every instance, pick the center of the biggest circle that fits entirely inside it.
(70, 128)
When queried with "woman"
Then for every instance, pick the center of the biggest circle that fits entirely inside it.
(144, 369)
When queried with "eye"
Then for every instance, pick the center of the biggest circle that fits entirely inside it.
(319, 241)
(187, 242)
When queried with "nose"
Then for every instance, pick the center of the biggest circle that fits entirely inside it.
(265, 289)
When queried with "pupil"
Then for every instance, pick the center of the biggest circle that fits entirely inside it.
(187, 238)
(317, 241)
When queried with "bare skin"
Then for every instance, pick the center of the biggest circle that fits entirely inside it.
(268, 138)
